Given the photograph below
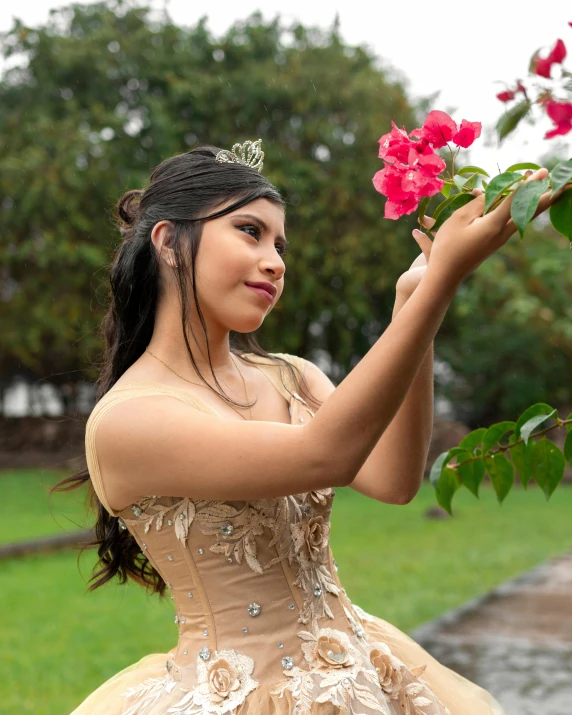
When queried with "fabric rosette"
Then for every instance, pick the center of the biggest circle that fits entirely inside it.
(223, 682)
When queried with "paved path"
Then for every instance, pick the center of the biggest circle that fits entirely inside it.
(516, 641)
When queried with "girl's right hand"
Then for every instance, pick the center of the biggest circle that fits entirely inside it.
(467, 238)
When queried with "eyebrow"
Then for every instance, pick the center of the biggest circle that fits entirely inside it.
(262, 223)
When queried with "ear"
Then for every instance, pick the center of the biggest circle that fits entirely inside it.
(161, 236)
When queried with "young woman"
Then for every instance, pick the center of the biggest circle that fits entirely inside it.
(213, 462)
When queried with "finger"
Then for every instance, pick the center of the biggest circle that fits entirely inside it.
(500, 216)
(425, 243)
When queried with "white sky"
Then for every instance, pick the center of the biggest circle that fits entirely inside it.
(466, 50)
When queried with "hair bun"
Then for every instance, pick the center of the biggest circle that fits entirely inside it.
(128, 206)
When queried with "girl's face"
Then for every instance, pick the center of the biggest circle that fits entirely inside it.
(246, 245)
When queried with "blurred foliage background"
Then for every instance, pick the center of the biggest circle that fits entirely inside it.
(106, 93)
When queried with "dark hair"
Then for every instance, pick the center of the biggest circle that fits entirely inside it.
(182, 189)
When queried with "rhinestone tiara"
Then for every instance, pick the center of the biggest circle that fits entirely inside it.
(249, 154)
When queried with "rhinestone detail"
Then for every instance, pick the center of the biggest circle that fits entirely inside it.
(170, 557)
(292, 606)
(204, 653)
(280, 644)
(359, 631)
(185, 652)
(183, 619)
(253, 609)
(301, 419)
(227, 529)
(189, 594)
(136, 510)
(121, 524)
(245, 629)
(176, 617)
(169, 522)
(201, 551)
(144, 546)
(229, 559)
(336, 565)
(317, 590)
(169, 585)
(287, 662)
(205, 632)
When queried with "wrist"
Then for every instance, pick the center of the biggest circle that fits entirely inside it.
(443, 284)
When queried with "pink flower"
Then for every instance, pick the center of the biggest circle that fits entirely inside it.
(438, 129)
(509, 94)
(561, 115)
(468, 132)
(506, 96)
(543, 67)
(558, 53)
(395, 145)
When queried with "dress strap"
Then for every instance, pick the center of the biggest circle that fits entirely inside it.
(127, 391)
(277, 374)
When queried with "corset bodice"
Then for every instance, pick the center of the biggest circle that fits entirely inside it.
(245, 576)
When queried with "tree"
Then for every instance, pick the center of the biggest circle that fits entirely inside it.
(105, 94)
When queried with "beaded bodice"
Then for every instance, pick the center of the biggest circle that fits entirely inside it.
(258, 602)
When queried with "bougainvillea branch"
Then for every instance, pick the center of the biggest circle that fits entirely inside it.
(413, 173)
(551, 96)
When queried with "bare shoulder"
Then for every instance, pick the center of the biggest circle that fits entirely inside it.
(319, 383)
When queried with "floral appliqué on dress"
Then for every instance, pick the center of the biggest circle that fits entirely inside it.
(349, 672)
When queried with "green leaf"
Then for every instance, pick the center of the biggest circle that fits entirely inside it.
(540, 408)
(501, 472)
(561, 214)
(473, 439)
(460, 181)
(471, 170)
(525, 202)
(569, 425)
(510, 119)
(472, 473)
(437, 467)
(500, 184)
(528, 427)
(523, 167)
(548, 465)
(520, 454)
(568, 448)
(495, 432)
(446, 488)
(485, 184)
(532, 63)
(452, 204)
(561, 175)
(446, 190)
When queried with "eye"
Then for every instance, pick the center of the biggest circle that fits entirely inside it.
(282, 249)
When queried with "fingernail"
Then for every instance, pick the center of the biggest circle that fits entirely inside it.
(417, 233)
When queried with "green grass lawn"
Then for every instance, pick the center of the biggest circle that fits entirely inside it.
(58, 643)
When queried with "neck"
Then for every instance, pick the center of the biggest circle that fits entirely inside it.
(168, 344)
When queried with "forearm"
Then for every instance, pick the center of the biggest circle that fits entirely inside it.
(394, 469)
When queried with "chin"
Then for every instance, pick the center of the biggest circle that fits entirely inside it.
(247, 325)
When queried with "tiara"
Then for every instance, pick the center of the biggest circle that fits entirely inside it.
(248, 153)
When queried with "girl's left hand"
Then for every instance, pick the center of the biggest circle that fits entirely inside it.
(409, 280)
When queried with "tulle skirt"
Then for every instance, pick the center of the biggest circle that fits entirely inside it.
(459, 695)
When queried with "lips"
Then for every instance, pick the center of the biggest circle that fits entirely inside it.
(263, 285)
